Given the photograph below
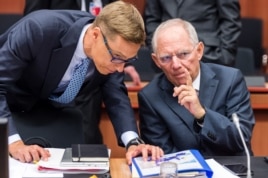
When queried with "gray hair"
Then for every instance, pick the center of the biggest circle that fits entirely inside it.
(188, 27)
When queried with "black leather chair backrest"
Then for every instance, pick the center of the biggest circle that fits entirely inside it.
(251, 37)
(245, 61)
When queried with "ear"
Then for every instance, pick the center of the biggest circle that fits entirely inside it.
(96, 33)
(156, 61)
(200, 50)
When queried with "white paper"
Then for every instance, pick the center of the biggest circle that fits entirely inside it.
(18, 169)
(218, 170)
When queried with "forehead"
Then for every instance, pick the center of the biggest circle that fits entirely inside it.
(123, 47)
(173, 37)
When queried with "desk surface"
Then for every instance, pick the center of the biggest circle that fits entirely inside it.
(120, 169)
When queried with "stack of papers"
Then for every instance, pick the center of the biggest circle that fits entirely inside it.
(54, 164)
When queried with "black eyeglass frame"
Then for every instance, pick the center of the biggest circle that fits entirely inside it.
(114, 59)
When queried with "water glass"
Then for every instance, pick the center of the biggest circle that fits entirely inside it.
(168, 170)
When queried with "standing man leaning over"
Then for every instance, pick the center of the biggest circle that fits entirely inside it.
(33, 5)
(92, 133)
(190, 104)
(41, 55)
(217, 23)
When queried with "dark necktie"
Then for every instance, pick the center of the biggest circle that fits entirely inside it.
(75, 83)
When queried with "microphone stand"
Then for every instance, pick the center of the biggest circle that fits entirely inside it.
(236, 122)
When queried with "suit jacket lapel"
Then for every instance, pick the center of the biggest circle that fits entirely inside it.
(59, 64)
(179, 2)
(208, 86)
(178, 8)
(172, 102)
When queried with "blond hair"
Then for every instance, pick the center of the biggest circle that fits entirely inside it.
(121, 18)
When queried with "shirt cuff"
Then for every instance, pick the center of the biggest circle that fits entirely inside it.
(127, 136)
(13, 138)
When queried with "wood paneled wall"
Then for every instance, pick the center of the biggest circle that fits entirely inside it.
(249, 8)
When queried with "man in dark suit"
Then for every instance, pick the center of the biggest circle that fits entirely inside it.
(40, 55)
(91, 135)
(217, 23)
(33, 5)
(190, 104)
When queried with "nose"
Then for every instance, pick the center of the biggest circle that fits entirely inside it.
(176, 62)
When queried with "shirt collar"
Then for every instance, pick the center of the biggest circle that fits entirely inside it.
(80, 48)
(196, 82)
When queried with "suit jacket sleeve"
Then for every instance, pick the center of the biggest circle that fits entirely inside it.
(217, 23)
(152, 17)
(27, 53)
(118, 105)
(15, 55)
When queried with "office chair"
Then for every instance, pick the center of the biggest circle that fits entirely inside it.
(7, 20)
(245, 60)
(4, 165)
(251, 37)
(46, 131)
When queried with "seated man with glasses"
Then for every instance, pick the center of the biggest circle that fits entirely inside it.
(190, 104)
(53, 61)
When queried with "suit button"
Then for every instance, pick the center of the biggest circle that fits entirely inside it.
(212, 136)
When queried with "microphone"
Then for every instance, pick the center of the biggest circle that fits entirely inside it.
(236, 122)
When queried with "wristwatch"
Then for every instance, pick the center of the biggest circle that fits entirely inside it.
(135, 141)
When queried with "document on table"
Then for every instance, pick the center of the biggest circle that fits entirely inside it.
(18, 169)
(218, 170)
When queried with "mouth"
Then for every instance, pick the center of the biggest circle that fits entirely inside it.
(179, 75)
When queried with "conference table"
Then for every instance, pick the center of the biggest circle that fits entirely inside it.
(120, 169)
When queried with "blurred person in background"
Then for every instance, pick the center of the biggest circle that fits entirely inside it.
(217, 23)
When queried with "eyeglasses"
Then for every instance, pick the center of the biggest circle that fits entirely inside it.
(180, 55)
(117, 60)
